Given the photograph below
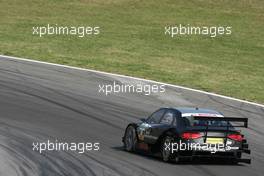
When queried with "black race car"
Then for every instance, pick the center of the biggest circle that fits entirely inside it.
(181, 134)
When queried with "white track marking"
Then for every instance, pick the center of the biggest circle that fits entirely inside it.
(139, 79)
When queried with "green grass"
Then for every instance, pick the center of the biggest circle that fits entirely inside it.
(132, 40)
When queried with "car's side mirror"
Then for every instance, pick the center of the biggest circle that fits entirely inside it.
(143, 119)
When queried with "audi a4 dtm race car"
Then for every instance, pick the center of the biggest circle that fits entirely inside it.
(182, 134)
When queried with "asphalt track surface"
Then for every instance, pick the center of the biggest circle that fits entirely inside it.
(41, 102)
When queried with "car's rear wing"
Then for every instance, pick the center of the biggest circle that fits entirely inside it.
(207, 119)
(226, 119)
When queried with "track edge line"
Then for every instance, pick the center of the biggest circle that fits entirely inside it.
(135, 78)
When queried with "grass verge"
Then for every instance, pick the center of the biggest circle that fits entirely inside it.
(132, 40)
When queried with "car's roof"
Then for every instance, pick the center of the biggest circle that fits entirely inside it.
(184, 110)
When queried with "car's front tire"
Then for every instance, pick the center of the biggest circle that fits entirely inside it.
(130, 139)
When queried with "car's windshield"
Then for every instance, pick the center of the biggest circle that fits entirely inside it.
(190, 121)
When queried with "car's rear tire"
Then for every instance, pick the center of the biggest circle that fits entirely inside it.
(130, 139)
(166, 152)
(235, 160)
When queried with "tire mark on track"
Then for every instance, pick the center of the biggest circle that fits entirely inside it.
(64, 106)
